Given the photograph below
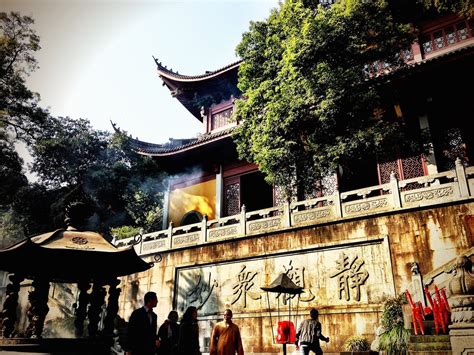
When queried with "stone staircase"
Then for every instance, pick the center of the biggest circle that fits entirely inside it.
(430, 343)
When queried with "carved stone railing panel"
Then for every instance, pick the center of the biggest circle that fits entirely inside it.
(221, 233)
(185, 240)
(264, 225)
(367, 206)
(312, 216)
(430, 195)
(154, 246)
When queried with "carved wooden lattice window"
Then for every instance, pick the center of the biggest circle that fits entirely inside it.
(232, 198)
(446, 36)
(221, 119)
(404, 168)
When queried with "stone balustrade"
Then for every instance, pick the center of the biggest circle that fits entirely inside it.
(445, 187)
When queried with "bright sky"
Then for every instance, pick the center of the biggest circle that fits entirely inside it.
(96, 57)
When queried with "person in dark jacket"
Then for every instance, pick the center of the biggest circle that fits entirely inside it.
(168, 335)
(142, 327)
(309, 334)
(188, 343)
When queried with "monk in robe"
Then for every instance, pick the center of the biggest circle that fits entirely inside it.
(225, 339)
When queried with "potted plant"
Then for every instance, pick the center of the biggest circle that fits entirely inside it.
(357, 345)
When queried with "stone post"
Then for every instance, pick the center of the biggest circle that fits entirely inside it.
(243, 221)
(38, 308)
(81, 308)
(461, 301)
(203, 229)
(397, 202)
(112, 308)
(462, 180)
(97, 299)
(337, 203)
(8, 314)
(170, 235)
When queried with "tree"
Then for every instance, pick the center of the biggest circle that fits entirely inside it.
(83, 164)
(66, 150)
(19, 109)
(11, 173)
(307, 105)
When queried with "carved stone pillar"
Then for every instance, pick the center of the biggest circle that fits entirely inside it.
(112, 308)
(461, 301)
(38, 308)
(8, 314)
(81, 308)
(97, 299)
(417, 284)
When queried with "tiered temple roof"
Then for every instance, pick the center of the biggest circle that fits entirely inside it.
(198, 91)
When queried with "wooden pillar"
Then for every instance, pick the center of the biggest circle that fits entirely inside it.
(81, 308)
(112, 308)
(38, 308)
(8, 314)
(97, 299)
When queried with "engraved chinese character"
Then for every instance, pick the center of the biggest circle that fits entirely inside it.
(296, 275)
(201, 291)
(350, 276)
(243, 286)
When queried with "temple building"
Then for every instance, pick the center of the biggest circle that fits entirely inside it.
(400, 223)
(353, 243)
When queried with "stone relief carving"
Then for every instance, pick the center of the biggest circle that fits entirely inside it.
(244, 285)
(201, 292)
(350, 275)
(264, 225)
(366, 206)
(224, 232)
(327, 277)
(429, 195)
(186, 239)
(296, 274)
(312, 216)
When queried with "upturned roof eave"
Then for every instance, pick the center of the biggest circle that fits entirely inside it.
(172, 76)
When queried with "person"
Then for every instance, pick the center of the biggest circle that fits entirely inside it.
(188, 343)
(142, 327)
(308, 335)
(225, 338)
(168, 335)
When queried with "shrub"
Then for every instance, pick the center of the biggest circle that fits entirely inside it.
(356, 343)
(395, 338)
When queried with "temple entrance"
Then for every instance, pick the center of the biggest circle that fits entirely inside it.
(256, 193)
(250, 190)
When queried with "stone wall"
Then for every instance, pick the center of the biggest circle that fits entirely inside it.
(347, 270)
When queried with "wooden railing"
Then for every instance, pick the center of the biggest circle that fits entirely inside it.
(445, 187)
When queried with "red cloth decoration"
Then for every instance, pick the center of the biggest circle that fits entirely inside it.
(286, 332)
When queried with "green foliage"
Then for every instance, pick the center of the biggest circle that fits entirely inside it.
(125, 232)
(395, 337)
(395, 340)
(66, 150)
(356, 343)
(462, 7)
(19, 110)
(307, 107)
(11, 230)
(11, 174)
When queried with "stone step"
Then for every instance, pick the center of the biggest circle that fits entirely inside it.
(429, 346)
(447, 352)
(441, 338)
